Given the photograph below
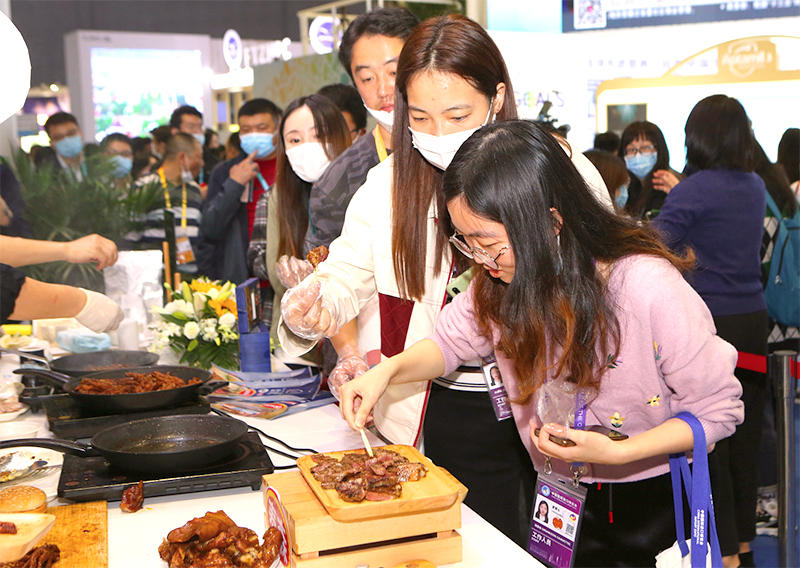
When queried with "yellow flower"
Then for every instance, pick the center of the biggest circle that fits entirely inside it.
(201, 286)
(617, 420)
(223, 307)
(655, 400)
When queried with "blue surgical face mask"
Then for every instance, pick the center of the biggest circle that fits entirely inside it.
(122, 165)
(640, 165)
(259, 142)
(70, 146)
(622, 198)
(200, 138)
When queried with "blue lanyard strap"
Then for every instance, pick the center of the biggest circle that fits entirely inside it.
(262, 181)
(578, 468)
(698, 492)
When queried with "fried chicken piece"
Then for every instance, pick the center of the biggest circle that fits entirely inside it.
(132, 498)
(43, 556)
(8, 528)
(317, 255)
(204, 528)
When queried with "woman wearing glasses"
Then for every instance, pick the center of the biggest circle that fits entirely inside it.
(645, 152)
(574, 302)
(394, 252)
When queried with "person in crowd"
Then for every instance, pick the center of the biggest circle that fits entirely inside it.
(645, 152)
(142, 144)
(570, 299)
(718, 211)
(312, 133)
(213, 153)
(189, 120)
(233, 192)
(368, 53)
(451, 80)
(12, 206)
(143, 164)
(348, 100)
(607, 142)
(66, 141)
(614, 173)
(23, 298)
(233, 146)
(789, 157)
(119, 149)
(183, 158)
(161, 136)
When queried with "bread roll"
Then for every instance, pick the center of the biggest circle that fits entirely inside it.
(23, 499)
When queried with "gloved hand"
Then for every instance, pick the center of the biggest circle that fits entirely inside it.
(306, 312)
(349, 366)
(100, 313)
(292, 270)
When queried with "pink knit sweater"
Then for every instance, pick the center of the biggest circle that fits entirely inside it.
(670, 361)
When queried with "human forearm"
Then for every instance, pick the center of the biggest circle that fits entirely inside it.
(37, 300)
(91, 248)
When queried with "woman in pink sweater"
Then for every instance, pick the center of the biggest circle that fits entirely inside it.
(574, 299)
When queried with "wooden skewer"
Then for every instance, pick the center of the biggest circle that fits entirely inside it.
(167, 271)
(366, 442)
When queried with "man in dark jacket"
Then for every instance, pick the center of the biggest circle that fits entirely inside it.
(233, 191)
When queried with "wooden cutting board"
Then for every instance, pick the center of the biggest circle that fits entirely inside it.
(434, 491)
(81, 533)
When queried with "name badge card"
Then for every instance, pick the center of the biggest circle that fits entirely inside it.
(497, 391)
(183, 249)
(556, 520)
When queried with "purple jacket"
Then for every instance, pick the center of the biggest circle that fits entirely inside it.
(670, 361)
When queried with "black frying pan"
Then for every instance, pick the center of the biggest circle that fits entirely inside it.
(115, 403)
(82, 364)
(155, 445)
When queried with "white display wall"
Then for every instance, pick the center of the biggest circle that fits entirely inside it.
(567, 68)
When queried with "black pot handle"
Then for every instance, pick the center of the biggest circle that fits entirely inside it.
(211, 385)
(59, 378)
(63, 446)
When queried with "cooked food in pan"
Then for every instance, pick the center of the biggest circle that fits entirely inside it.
(214, 540)
(134, 383)
(358, 477)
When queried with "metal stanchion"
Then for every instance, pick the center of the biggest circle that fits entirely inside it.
(785, 392)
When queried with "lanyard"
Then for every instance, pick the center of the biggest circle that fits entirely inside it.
(262, 181)
(578, 468)
(379, 145)
(168, 201)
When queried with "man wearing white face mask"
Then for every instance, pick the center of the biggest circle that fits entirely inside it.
(369, 52)
(229, 211)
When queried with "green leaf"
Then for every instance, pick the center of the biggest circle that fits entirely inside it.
(192, 345)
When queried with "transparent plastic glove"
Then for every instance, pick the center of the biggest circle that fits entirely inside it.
(307, 313)
(292, 270)
(556, 401)
(349, 366)
(100, 313)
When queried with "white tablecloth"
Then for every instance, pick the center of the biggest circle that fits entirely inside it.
(133, 539)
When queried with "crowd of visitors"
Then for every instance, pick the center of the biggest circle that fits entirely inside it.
(463, 239)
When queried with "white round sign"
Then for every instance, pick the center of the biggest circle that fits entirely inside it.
(232, 49)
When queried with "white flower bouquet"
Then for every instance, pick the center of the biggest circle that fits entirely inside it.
(199, 325)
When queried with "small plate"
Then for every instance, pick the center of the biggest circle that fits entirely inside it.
(31, 528)
(48, 483)
(8, 416)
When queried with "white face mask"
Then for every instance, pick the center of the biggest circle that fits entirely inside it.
(440, 150)
(385, 119)
(308, 161)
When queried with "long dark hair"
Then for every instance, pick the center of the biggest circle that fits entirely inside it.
(293, 192)
(446, 44)
(513, 173)
(776, 181)
(718, 135)
(789, 153)
(643, 189)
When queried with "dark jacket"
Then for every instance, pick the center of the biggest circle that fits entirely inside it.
(11, 194)
(222, 252)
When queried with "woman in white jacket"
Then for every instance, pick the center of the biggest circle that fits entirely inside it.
(393, 262)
